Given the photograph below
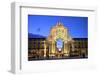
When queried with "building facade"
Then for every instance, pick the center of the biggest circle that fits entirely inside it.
(57, 45)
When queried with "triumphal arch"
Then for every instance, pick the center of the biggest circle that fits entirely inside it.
(59, 41)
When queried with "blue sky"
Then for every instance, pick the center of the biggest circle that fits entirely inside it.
(41, 25)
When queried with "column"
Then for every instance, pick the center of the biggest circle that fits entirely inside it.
(44, 49)
(72, 46)
(53, 48)
(65, 49)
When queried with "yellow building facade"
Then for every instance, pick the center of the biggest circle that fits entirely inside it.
(57, 45)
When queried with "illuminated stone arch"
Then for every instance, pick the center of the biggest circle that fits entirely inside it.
(59, 32)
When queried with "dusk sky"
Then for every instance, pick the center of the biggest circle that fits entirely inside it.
(41, 25)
